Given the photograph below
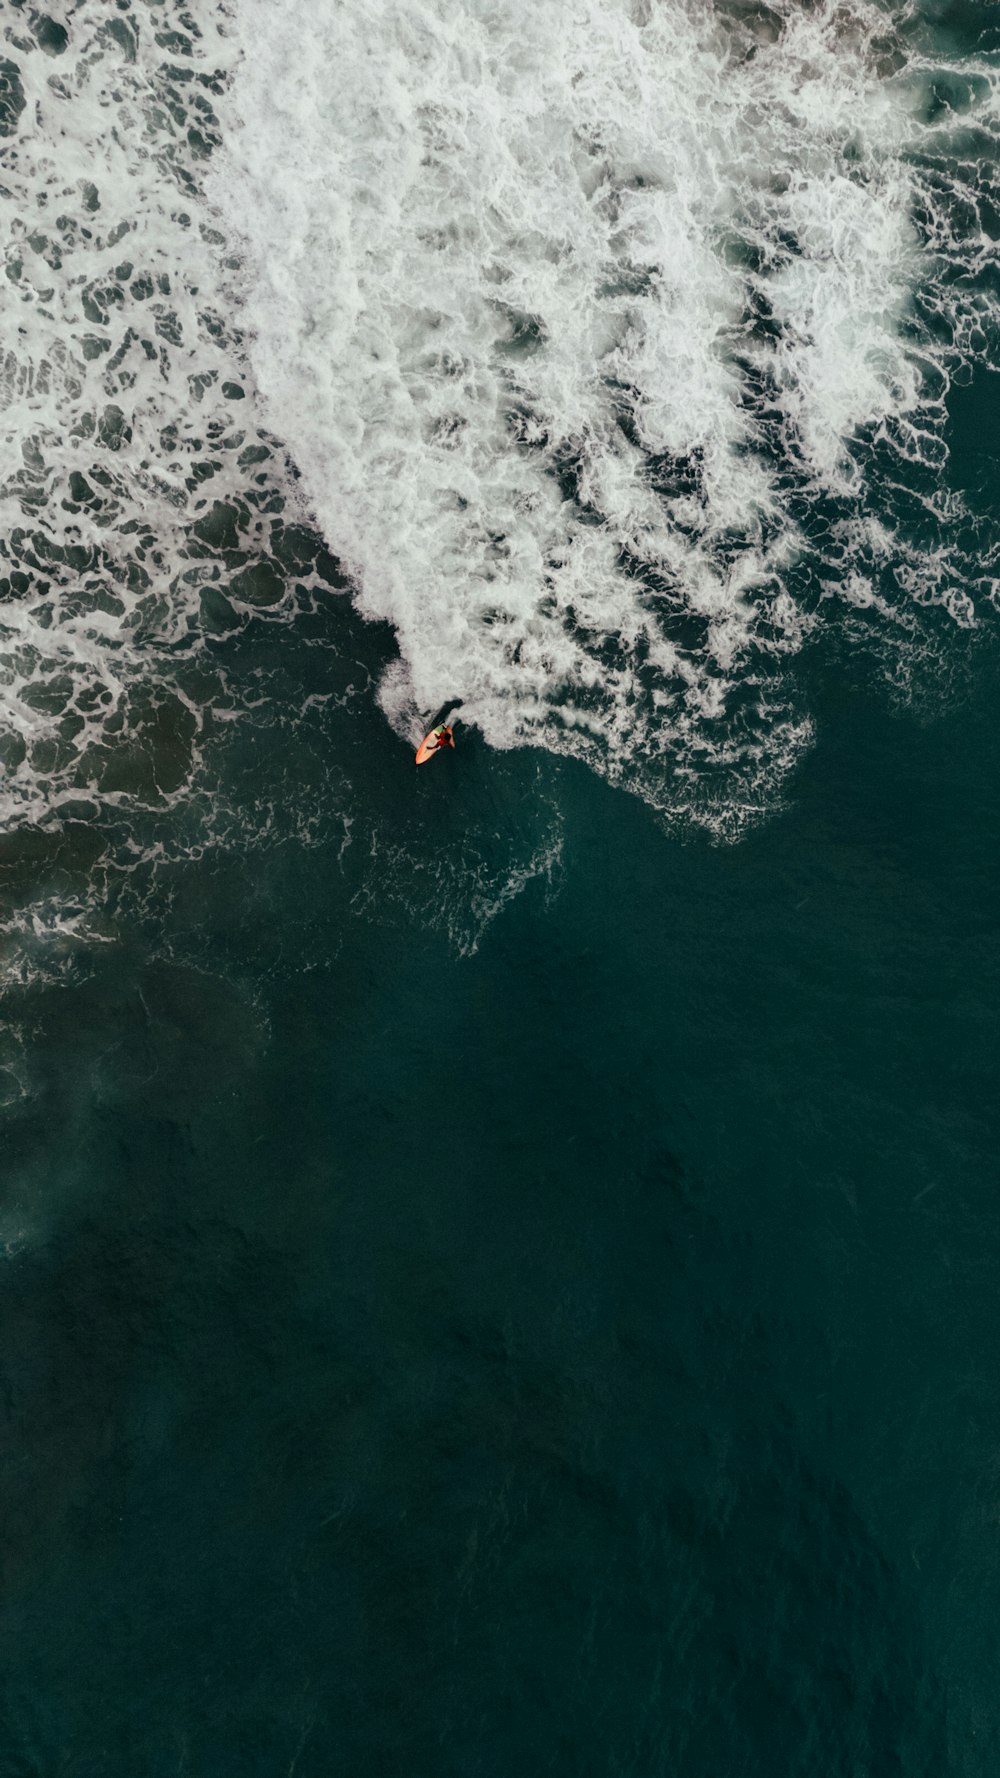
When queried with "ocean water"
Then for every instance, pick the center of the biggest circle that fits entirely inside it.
(499, 1263)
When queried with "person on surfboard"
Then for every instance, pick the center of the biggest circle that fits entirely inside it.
(433, 741)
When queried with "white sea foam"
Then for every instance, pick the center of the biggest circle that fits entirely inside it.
(587, 326)
(120, 422)
(611, 344)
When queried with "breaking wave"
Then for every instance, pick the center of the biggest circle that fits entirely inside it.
(614, 344)
(609, 351)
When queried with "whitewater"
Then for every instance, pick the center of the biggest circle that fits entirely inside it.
(604, 338)
(608, 351)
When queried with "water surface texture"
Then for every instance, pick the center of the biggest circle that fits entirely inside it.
(499, 1262)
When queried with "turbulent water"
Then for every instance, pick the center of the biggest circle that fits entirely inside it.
(122, 421)
(614, 349)
(610, 354)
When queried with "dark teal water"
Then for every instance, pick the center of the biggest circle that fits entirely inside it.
(578, 1356)
(490, 1286)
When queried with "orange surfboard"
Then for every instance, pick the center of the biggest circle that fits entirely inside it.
(429, 745)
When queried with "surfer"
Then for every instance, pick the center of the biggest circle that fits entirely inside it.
(439, 737)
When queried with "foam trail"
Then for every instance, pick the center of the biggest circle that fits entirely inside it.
(590, 329)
